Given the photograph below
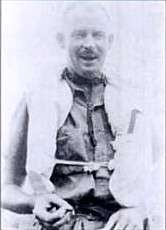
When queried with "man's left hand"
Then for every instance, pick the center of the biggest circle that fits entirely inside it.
(126, 219)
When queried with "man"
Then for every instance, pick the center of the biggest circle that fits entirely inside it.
(84, 118)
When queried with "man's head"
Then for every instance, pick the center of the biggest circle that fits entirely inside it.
(86, 37)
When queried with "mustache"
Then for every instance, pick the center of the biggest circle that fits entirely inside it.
(87, 52)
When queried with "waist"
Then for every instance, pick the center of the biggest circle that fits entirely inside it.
(96, 208)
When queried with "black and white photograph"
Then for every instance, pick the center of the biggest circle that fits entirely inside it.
(82, 115)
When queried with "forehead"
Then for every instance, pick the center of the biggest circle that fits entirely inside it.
(86, 17)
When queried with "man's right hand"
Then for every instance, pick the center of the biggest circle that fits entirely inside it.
(51, 210)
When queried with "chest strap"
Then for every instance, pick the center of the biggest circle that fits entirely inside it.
(88, 166)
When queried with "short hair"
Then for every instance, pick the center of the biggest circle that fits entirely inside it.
(69, 7)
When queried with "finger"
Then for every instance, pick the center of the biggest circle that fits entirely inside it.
(66, 219)
(112, 164)
(112, 221)
(130, 227)
(137, 228)
(58, 214)
(115, 145)
(43, 215)
(121, 225)
(59, 202)
(59, 223)
(47, 226)
(51, 222)
(44, 224)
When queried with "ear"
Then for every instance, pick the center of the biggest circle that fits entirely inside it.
(60, 40)
(110, 40)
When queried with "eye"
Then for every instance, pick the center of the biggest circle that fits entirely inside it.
(79, 34)
(98, 35)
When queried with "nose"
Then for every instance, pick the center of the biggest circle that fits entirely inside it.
(89, 41)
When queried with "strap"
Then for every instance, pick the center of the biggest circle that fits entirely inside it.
(132, 122)
(88, 166)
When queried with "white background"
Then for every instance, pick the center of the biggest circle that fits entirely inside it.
(30, 54)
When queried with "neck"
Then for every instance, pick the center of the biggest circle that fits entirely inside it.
(83, 80)
(86, 75)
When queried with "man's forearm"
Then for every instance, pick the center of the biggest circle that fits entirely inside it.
(16, 200)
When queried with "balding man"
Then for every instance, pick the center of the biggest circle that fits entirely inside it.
(76, 158)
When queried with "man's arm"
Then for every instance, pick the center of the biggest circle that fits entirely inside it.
(13, 197)
(15, 163)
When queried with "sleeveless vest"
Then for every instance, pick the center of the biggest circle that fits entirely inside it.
(48, 110)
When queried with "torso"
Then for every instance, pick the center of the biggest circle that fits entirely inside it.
(86, 136)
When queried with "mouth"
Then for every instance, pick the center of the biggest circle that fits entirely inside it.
(88, 57)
